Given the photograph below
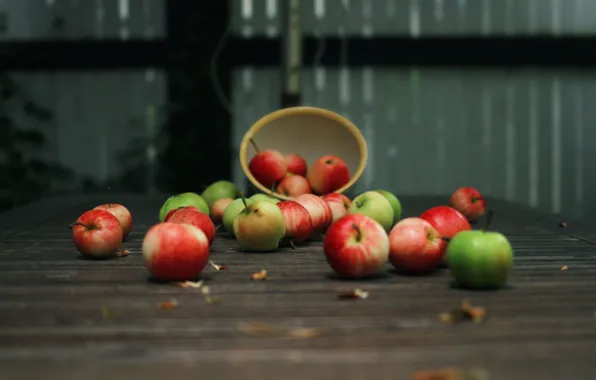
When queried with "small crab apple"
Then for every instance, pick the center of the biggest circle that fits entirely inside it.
(260, 227)
(183, 200)
(339, 204)
(356, 246)
(447, 221)
(327, 174)
(297, 220)
(295, 164)
(469, 202)
(217, 209)
(175, 251)
(122, 214)
(173, 211)
(268, 166)
(320, 212)
(190, 215)
(480, 259)
(97, 234)
(415, 246)
(293, 186)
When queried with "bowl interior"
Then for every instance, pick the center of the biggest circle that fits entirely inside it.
(311, 137)
(309, 132)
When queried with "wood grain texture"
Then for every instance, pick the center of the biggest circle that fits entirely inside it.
(51, 322)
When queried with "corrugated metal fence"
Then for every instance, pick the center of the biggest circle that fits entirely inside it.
(522, 135)
(106, 110)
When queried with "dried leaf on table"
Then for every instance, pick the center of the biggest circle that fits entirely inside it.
(218, 267)
(206, 292)
(354, 294)
(564, 268)
(259, 276)
(168, 305)
(189, 284)
(122, 252)
(106, 312)
(304, 333)
(465, 313)
(257, 328)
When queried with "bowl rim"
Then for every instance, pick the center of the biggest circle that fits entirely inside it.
(302, 110)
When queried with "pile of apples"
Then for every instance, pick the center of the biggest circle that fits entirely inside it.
(289, 175)
(360, 235)
(359, 244)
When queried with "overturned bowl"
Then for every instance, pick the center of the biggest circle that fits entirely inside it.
(310, 132)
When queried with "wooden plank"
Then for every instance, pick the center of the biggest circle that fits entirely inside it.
(333, 365)
(51, 302)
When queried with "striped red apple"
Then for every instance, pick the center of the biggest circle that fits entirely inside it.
(356, 246)
(175, 251)
(415, 246)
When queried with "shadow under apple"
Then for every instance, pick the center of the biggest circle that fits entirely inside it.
(437, 272)
(380, 276)
(206, 278)
(454, 285)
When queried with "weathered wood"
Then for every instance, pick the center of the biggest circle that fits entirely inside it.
(56, 307)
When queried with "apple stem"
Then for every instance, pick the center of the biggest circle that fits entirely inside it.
(446, 238)
(254, 144)
(489, 217)
(244, 201)
(79, 224)
(358, 232)
(292, 245)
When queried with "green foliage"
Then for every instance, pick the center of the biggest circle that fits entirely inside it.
(24, 177)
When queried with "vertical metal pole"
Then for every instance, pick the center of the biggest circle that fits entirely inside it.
(291, 53)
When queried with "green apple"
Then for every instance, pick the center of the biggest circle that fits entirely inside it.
(232, 211)
(260, 226)
(264, 197)
(183, 200)
(480, 259)
(395, 204)
(374, 205)
(218, 190)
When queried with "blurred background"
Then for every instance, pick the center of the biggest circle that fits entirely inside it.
(154, 96)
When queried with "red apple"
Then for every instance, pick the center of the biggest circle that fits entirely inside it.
(319, 211)
(469, 202)
(268, 166)
(356, 246)
(191, 215)
(175, 251)
(217, 209)
(328, 174)
(293, 186)
(173, 211)
(97, 234)
(447, 221)
(122, 214)
(298, 221)
(339, 204)
(415, 246)
(295, 164)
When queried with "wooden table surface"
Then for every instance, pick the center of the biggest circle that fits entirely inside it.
(62, 317)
